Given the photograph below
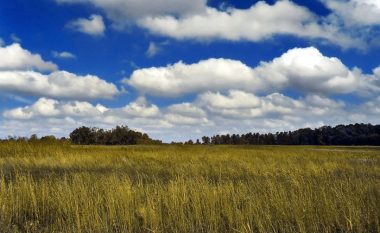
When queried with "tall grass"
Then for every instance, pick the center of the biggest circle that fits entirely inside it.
(59, 188)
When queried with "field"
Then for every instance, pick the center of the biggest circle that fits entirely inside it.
(64, 188)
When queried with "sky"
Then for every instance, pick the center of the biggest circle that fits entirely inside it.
(180, 69)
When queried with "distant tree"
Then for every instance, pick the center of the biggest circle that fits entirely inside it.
(121, 135)
(49, 138)
(206, 140)
(190, 142)
(83, 136)
(33, 138)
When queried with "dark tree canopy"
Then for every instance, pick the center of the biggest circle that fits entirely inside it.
(353, 134)
(349, 135)
(121, 135)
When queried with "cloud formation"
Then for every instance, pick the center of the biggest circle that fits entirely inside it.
(153, 50)
(125, 12)
(20, 73)
(261, 21)
(210, 113)
(304, 69)
(14, 57)
(355, 12)
(195, 20)
(59, 84)
(46, 108)
(93, 26)
(63, 55)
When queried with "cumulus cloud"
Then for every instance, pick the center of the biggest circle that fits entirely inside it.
(304, 69)
(355, 12)
(59, 84)
(261, 21)
(181, 19)
(372, 106)
(357, 19)
(140, 108)
(123, 12)
(186, 114)
(187, 109)
(372, 83)
(93, 26)
(181, 78)
(240, 104)
(231, 113)
(235, 100)
(63, 55)
(50, 116)
(20, 73)
(309, 70)
(2, 43)
(14, 57)
(210, 113)
(47, 108)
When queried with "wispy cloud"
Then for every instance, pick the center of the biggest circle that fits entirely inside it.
(93, 26)
(63, 55)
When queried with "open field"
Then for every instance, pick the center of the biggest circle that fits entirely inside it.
(63, 188)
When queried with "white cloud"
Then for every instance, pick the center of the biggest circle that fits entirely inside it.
(373, 106)
(43, 107)
(180, 78)
(186, 109)
(355, 12)
(59, 84)
(371, 85)
(152, 50)
(358, 19)
(182, 19)
(93, 26)
(261, 21)
(2, 43)
(14, 57)
(181, 120)
(18, 75)
(140, 108)
(304, 69)
(123, 12)
(240, 104)
(309, 70)
(186, 114)
(49, 116)
(47, 108)
(63, 55)
(15, 38)
(274, 112)
(210, 113)
(236, 99)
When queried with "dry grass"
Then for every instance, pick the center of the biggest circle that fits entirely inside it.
(60, 188)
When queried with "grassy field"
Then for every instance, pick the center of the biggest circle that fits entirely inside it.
(63, 188)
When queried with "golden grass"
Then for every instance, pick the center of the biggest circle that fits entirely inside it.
(63, 188)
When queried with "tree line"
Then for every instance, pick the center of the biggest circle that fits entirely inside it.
(353, 134)
(121, 135)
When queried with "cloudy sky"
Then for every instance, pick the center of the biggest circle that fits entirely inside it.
(180, 69)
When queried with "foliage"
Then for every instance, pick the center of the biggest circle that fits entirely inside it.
(121, 135)
(47, 187)
(357, 134)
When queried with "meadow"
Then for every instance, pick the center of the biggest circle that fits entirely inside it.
(53, 187)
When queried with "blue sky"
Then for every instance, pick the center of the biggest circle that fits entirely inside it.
(179, 69)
